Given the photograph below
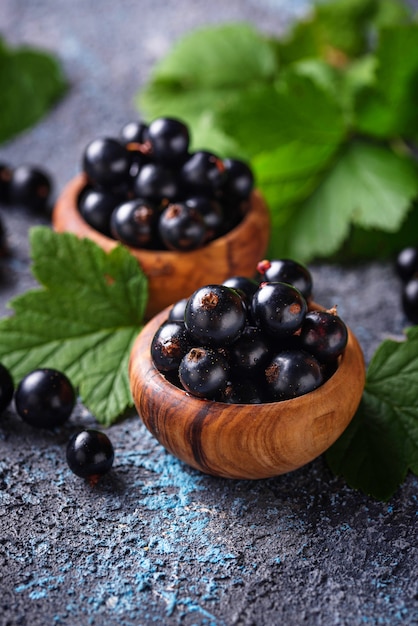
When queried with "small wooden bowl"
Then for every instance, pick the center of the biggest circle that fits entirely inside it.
(246, 441)
(175, 275)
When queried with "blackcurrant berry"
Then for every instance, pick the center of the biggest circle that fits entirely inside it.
(107, 163)
(250, 352)
(204, 372)
(410, 299)
(406, 264)
(96, 207)
(156, 182)
(211, 212)
(203, 173)
(181, 227)
(6, 388)
(215, 315)
(328, 369)
(324, 335)
(169, 345)
(176, 313)
(278, 308)
(239, 179)
(134, 133)
(243, 391)
(90, 454)
(30, 187)
(291, 374)
(169, 139)
(45, 398)
(245, 286)
(134, 223)
(286, 271)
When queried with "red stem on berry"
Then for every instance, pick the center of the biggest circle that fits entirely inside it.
(263, 266)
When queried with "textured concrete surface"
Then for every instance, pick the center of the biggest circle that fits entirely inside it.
(155, 541)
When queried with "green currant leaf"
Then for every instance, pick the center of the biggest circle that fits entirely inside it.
(27, 76)
(205, 69)
(388, 107)
(285, 109)
(340, 26)
(232, 55)
(385, 185)
(367, 244)
(82, 320)
(380, 445)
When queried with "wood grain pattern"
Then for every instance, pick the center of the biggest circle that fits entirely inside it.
(244, 441)
(174, 275)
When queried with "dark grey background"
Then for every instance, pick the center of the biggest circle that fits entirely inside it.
(155, 541)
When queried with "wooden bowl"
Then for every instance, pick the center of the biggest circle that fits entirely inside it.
(246, 441)
(176, 275)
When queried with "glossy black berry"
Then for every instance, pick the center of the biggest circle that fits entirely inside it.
(169, 345)
(181, 227)
(286, 271)
(30, 187)
(204, 372)
(176, 313)
(328, 369)
(211, 212)
(323, 334)
(291, 374)
(156, 182)
(406, 264)
(107, 163)
(203, 173)
(45, 398)
(215, 315)
(134, 223)
(244, 285)
(239, 178)
(410, 299)
(134, 133)
(169, 139)
(243, 391)
(96, 207)
(250, 352)
(90, 454)
(278, 309)
(6, 388)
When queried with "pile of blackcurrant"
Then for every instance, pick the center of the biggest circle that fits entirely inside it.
(45, 398)
(147, 189)
(407, 269)
(250, 341)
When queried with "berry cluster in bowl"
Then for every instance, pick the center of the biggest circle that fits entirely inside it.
(148, 190)
(251, 340)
